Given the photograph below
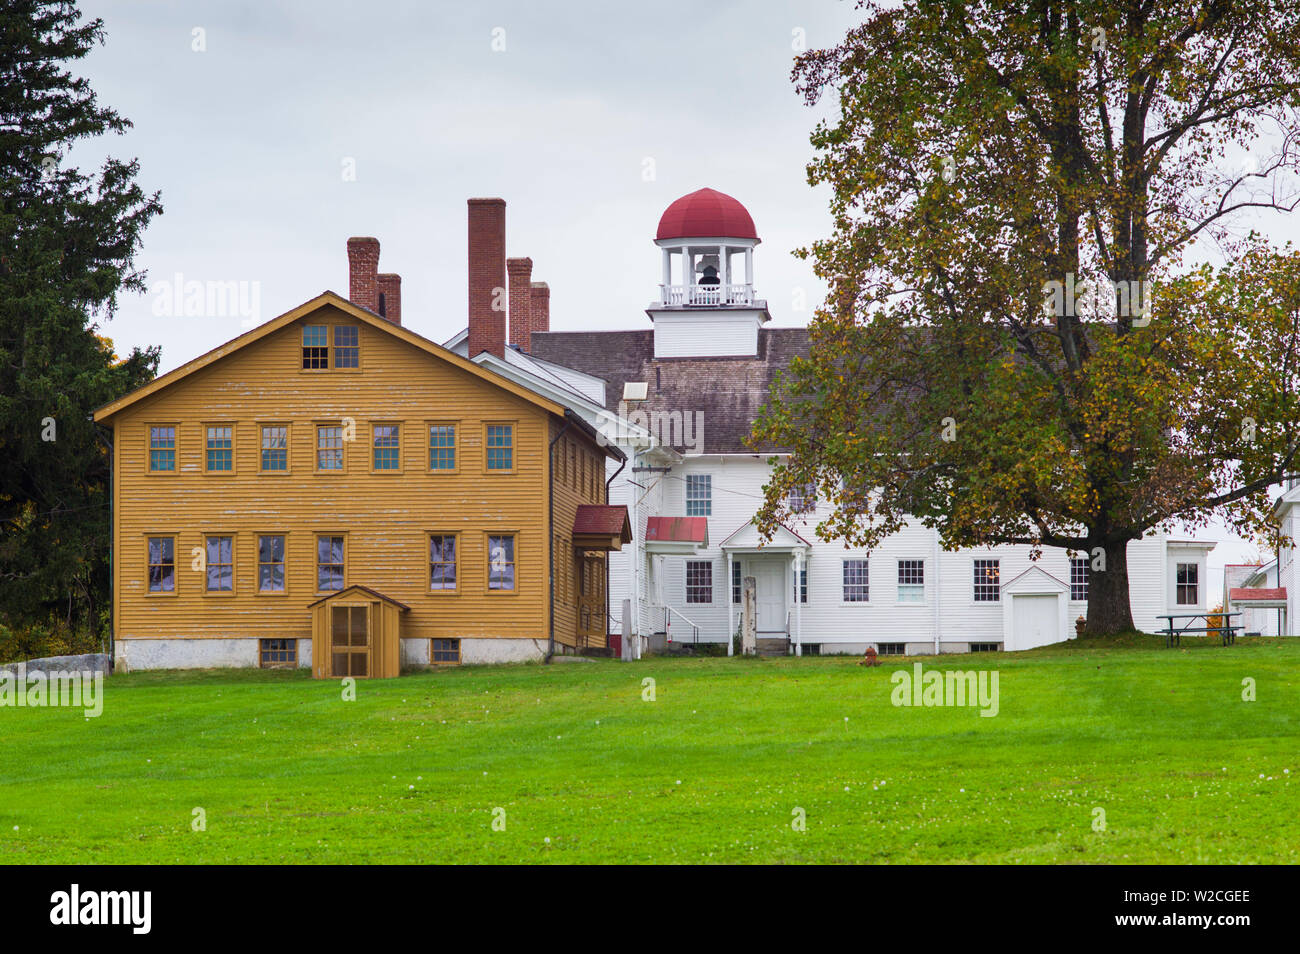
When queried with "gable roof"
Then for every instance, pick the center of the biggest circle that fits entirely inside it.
(746, 537)
(603, 520)
(1033, 576)
(364, 589)
(602, 526)
(728, 391)
(306, 308)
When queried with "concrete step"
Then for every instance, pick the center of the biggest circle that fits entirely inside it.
(773, 646)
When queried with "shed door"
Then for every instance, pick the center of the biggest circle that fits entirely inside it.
(1035, 619)
(350, 640)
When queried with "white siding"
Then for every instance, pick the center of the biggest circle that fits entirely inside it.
(826, 618)
(694, 336)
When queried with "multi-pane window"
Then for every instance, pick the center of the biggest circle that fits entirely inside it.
(442, 561)
(329, 563)
(162, 448)
(220, 448)
(270, 564)
(329, 447)
(275, 653)
(387, 454)
(500, 446)
(1187, 580)
(442, 447)
(347, 349)
(699, 581)
(1079, 579)
(446, 652)
(501, 563)
(911, 581)
(803, 498)
(162, 564)
(221, 564)
(699, 495)
(801, 584)
(275, 447)
(987, 580)
(857, 581)
(315, 347)
(735, 583)
(853, 500)
(891, 649)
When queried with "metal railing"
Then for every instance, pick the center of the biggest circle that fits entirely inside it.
(669, 613)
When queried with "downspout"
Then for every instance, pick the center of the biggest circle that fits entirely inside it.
(609, 483)
(550, 532)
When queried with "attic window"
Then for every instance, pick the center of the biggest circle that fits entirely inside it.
(347, 347)
(315, 347)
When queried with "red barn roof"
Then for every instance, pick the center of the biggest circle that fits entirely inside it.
(706, 214)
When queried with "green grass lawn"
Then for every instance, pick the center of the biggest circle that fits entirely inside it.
(711, 771)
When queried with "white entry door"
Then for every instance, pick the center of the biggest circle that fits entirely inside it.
(1035, 621)
(769, 593)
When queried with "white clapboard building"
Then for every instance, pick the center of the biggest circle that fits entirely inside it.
(679, 396)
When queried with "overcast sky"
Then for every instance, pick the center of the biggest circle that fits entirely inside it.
(298, 124)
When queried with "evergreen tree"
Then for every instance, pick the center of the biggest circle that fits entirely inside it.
(67, 244)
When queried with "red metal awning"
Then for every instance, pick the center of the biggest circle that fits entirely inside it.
(680, 531)
(1248, 593)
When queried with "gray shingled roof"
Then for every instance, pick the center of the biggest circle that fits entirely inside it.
(729, 391)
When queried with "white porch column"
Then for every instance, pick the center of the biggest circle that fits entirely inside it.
(798, 610)
(668, 274)
(688, 274)
(724, 269)
(749, 266)
(731, 607)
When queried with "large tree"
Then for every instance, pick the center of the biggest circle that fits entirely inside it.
(1025, 341)
(67, 243)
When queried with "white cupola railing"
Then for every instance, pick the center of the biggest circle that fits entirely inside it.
(707, 295)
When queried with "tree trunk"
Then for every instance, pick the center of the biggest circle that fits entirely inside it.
(1109, 610)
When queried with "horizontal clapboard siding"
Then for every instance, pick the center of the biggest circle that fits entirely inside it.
(385, 517)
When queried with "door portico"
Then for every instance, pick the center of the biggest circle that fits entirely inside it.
(774, 564)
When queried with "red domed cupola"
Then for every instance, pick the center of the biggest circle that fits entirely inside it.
(706, 214)
(707, 304)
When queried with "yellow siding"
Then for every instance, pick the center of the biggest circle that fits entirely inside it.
(385, 517)
(579, 467)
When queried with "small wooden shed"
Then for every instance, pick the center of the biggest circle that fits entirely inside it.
(356, 632)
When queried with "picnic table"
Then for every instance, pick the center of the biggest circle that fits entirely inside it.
(1226, 628)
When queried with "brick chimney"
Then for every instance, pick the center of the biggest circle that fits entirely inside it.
(363, 272)
(520, 271)
(487, 276)
(390, 297)
(541, 307)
